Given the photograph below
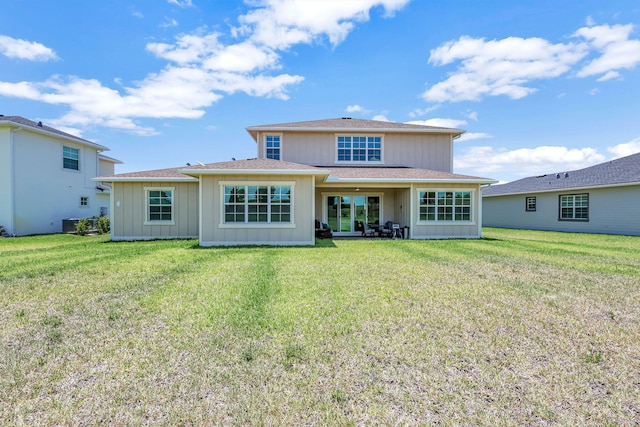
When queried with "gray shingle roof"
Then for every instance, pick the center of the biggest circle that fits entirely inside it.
(380, 173)
(333, 173)
(41, 127)
(186, 172)
(350, 124)
(625, 170)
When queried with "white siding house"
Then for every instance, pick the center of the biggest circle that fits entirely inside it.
(46, 176)
(604, 198)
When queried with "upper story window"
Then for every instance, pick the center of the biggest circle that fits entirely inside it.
(530, 204)
(70, 158)
(574, 207)
(357, 148)
(273, 146)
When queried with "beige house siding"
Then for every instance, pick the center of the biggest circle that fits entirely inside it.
(213, 231)
(612, 210)
(446, 230)
(128, 215)
(426, 151)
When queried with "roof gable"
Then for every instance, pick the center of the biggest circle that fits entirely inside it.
(347, 124)
(17, 121)
(625, 170)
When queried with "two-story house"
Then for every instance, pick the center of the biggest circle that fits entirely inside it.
(344, 172)
(46, 176)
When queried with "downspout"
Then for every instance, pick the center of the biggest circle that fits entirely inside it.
(12, 181)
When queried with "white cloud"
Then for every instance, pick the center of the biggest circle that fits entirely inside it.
(23, 49)
(509, 66)
(354, 109)
(419, 112)
(470, 136)
(181, 3)
(137, 13)
(626, 149)
(282, 23)
(380, 118)
(169, 22)
(473, 115)
(617, 50)
(443, 123)
(201, 68)
(499, 67)
(526, 161)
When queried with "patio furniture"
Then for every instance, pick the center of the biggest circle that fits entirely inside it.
(387, 229)
(323, 231)
(368, 231)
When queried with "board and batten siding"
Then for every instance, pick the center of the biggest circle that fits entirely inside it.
(426, 151)
(612, 210)
(129, 205)
(447, 230)
(213, 231)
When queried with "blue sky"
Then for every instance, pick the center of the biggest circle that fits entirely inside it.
(540, 86)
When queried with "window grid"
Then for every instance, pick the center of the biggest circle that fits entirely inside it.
(574, 207)
(530, 204)
(359, 148)
(257, 203)
(70, 158)
(160, 204)
(84, 201)
(272, 144)
(445, 206)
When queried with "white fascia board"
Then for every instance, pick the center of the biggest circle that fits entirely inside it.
(196, 172)
(70, 138)
(564, 190)
(451, 131)
(143, 179)
(409, 180)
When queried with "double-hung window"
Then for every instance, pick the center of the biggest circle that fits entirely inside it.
(248, 204)
(273, 146)
(574, 207)
(359, 148)
(530, 204)
(160, 207)
(445, 206)
(70, 158)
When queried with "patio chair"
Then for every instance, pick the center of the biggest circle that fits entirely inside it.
(368, 231)
(387, 230)
(323, 231)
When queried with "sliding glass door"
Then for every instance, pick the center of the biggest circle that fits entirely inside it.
(344, 212)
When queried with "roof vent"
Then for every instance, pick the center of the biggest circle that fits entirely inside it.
(566, 174)
(40, 124)
(346, 118)
(557, 176)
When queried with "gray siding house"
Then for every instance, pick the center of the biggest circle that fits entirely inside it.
(347, 173)
(604, 198)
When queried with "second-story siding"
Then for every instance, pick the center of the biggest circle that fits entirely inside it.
(426, 151)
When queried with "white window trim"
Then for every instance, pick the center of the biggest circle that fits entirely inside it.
(451, 190)
(146, 206)
(245, 225)
(264, 142)
(363, 192)
(359, 162)
(79, 158)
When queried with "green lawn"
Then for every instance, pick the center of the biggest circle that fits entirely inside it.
(519, 328)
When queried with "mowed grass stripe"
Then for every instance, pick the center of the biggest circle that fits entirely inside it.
(499, 331)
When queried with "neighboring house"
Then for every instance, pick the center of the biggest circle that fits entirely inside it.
(344, 172)
(46, 176)
(604, 198)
